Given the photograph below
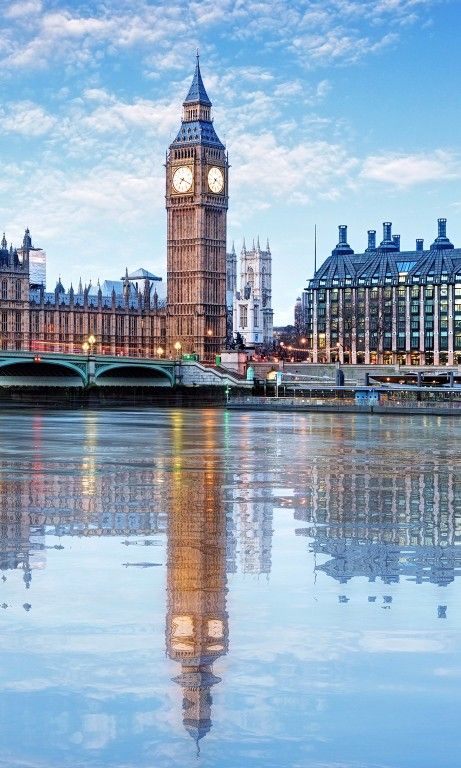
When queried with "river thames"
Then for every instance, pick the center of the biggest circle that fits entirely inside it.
(204, 588)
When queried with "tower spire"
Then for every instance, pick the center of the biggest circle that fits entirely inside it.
(197, 92)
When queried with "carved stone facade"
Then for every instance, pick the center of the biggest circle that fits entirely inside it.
(196, 202)
(130, 322)
(252, 302)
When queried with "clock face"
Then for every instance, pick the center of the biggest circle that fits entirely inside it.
(216, 180)
(182, 179)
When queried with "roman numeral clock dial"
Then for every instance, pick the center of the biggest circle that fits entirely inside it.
(215, 180)
(182, 179)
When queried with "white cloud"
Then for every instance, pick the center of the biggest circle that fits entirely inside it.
(345, 31)
(267, 170)
(406, 170)
(23, 9)
(26, 118)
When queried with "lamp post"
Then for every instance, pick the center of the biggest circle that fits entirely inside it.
(160, 351)
(178, 347)
(91, 342)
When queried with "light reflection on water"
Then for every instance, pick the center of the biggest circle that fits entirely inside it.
(223, 589)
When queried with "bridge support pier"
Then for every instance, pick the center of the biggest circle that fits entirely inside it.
(91, 370)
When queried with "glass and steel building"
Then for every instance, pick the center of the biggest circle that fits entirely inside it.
(386, 305)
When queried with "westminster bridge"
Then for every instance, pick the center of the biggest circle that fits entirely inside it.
(83, 371)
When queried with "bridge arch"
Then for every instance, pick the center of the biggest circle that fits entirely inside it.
(19, 370)
(136, 374)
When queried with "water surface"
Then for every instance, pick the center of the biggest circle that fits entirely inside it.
(201, 588)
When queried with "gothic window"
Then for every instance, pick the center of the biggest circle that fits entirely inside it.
(17, 322)
(17, 290)
(4, 290)
(243, 317)
(256, 313)
(250, 277)
(4, 323)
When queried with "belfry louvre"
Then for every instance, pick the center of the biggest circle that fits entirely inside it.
(386, 305)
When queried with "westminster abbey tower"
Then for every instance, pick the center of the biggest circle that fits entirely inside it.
(196, 202)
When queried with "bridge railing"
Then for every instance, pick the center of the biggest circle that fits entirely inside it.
(121, 347)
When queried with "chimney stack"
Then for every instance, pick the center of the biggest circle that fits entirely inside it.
(342, 234)
(396, 241)
(387, 232)
(419, 244)
(442, 226)
(371, 240)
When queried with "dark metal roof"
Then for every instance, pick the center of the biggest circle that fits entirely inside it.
(388, 262)
(198, 132)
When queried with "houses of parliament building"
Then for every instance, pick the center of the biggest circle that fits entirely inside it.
(131, 316)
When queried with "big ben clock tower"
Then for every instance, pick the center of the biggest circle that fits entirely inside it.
(196, 203)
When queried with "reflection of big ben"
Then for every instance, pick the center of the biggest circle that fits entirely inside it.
(197, 626)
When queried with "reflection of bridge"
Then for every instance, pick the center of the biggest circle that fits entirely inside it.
(51, 369)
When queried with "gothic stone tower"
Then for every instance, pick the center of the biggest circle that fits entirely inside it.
(196, 202)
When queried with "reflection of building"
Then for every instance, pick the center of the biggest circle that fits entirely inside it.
(21, 544)
(252, 513)
(197, 622)
(387, 305)
(252, 302)
(387, 524)
(82, 501)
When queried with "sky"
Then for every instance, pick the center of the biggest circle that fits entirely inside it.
(332, 111)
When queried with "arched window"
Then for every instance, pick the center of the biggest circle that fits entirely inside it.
(17, 290)
(250, 277)
(4, 290)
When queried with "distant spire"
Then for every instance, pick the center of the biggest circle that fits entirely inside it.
(267, 246)
(315, 248)
(197, 90)
(4, 243)
(244, 247)
(80, 287)
(254, 244)
(257, 244)
(27, 240)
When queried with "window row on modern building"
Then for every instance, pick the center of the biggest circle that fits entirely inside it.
(385, 305)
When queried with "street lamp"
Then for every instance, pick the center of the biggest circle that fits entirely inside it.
(160, 351)
(91, 342)
(85, 347)
(178, 347)
(209, 332)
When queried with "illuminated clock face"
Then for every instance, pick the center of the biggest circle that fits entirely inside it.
(216, 180)
(182, 179)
